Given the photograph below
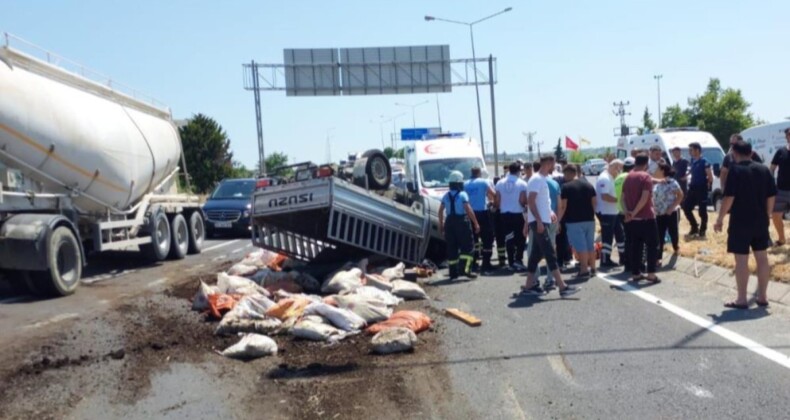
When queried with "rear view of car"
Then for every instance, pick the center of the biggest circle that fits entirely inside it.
(227, 209)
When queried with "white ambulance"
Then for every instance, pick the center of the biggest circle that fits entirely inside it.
(767, 139)
(668, 139)
(429, 163)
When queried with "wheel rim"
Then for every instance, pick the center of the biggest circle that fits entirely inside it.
(197, 230)
(162, 233)
(379, 170)
(182, 234)
(68, 262)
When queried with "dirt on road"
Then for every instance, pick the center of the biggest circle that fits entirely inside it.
(151, 356)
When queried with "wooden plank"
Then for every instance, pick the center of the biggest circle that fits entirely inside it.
(468, 319)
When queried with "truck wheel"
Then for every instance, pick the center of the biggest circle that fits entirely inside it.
(65, 262)
(159, 227)
(197, 232)
(377, 170)
(179, 239)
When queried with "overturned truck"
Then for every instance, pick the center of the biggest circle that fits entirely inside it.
(327, 213)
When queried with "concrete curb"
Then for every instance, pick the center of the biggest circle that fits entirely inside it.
(724, 277)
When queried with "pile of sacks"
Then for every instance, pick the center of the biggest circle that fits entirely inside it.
(265, 295)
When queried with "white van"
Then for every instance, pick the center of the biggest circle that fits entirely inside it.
(429, 163)
(767, 139)
(670, 138)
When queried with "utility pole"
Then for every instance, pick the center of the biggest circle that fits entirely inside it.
(658, 78)
(538, 143)
(493, 113)
(258, 122)
(530, 135)
(622, 113)
(329, 145)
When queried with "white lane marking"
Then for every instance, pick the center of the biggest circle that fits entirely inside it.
(105, 277)
(220, 257)
(518, 411)
(53, 320)
(14, 299)
(218, 246)
(157, 282)
(237, 250)
(560, 366)
(747, 343)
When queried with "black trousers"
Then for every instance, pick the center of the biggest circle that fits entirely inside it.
(499, 233)
(697, 197)
(460, 245)
(611, 229)
(484, 241)
(667, 223)
(563, 245)
(642, 233)
(513, 229)
(540, 249)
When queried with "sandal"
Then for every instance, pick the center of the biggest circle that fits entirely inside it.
(762, 303)
(636, 279)
(735, 305)
(777, 244)
(654, 280)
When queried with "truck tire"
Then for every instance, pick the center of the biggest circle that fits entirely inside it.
(197, 232)
(179, 237)
(159, 228)
(374, 167)
(65, 262)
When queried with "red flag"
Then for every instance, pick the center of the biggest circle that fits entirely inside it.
(570, 145)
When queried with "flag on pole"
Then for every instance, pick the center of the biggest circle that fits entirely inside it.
(582, 140)
(570, 145)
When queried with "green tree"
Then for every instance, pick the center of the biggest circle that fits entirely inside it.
(648, 125)
(577, 156)
(719, 111)
(207, 152)
(240, 171)
(389, 152)
(401, 153)
(559, 152)
(275, 160)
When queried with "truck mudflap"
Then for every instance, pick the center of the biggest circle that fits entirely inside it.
(24, 238)
(328, 218)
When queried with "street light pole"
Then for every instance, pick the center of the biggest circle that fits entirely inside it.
(658, 78)
(474, 63)
(412, 106)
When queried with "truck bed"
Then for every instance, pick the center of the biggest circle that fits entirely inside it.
(326, 219)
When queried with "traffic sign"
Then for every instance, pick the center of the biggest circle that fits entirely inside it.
(418, 133)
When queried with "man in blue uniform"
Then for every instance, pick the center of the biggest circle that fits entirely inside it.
(699, 185)
(455, 214)
(481, 194)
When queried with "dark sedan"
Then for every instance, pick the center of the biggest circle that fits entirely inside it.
(227, 209)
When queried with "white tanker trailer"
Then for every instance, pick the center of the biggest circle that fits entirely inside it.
(83, 166)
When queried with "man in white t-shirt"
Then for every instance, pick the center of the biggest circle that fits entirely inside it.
(511, 198)
(540, 217)
(607, 213)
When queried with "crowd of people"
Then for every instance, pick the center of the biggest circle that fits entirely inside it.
(636, 201)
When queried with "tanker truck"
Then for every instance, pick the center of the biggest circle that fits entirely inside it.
(85, 166)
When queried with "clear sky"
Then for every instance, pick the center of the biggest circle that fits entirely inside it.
(561, 63)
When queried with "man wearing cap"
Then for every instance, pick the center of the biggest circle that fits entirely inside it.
(681, 167)
(455, 214)
(607, 212)
(481, 195)
(781, 161)
(628, 165)
(511, 198)
(749, 197)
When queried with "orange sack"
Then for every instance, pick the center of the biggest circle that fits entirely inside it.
(219, 303)
(288, 308)
(413, 320)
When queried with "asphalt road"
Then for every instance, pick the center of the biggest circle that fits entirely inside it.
(666, 351)
(108, 278)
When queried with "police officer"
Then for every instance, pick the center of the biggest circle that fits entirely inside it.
(481, 194)
(457, 213)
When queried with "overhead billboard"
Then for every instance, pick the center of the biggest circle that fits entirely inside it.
(367, 71)
(394, 70)
(311, 72)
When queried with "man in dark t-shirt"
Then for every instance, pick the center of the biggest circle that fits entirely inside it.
(640, 220)
(749, 194)
(681, 167)
(781, 161)
(577, 211)
(729, 160)
(701, 180)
